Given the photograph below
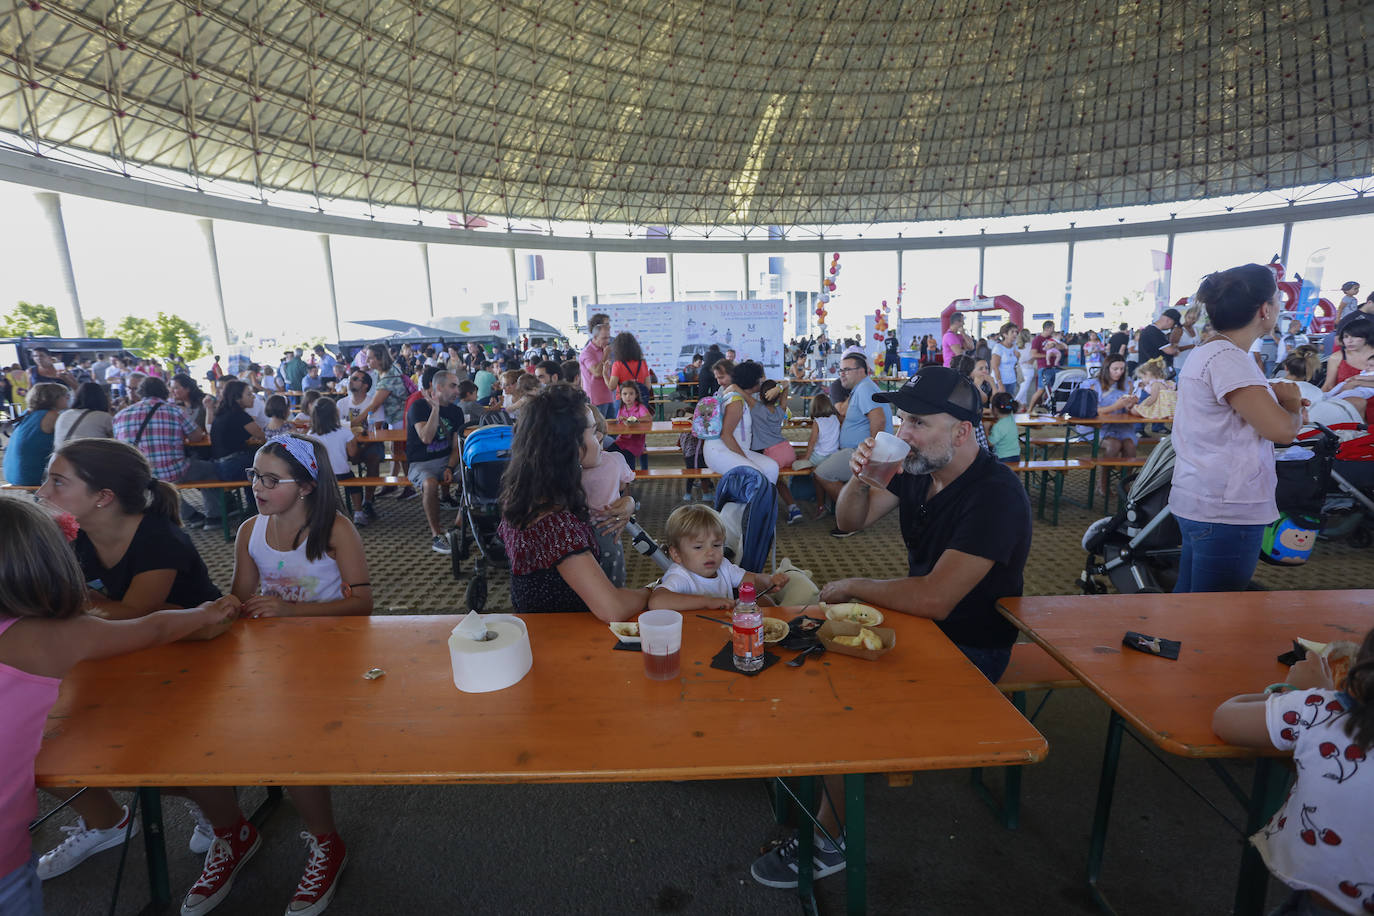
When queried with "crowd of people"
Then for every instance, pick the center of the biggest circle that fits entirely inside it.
(107, 463)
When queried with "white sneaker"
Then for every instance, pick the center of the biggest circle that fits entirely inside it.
(81, 843)
(360, 519)
(203, 834)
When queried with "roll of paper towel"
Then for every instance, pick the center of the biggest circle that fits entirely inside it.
(494, 663)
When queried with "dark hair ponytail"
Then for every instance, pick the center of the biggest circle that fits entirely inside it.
(1233, 296)
(108, 464)
(1359, 684)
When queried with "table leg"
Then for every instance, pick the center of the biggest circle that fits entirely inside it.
(155, 848)
(1266, 794)
(806, 839)
(855, 844)
(1092, 469)
(1106, 787)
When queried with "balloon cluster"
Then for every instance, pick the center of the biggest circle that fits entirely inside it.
(827, 287)
(880, 316)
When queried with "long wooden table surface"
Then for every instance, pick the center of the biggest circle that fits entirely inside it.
(284, 702)
(617, 428)
(1038, 420)
(1230, 645)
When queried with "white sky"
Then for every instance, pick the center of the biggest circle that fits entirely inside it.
(132, 260)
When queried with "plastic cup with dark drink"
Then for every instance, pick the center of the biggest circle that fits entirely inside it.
(660, 642)
(884, 461)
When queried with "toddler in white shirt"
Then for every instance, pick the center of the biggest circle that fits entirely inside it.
(696, 545)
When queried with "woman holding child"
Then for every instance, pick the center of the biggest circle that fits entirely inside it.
(731, 450)
(545, 519)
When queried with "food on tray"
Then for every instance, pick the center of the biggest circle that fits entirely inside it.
(628, 631)
(853, 612)
(865, 639)
(774, 630)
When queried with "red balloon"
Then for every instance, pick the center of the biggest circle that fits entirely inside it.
(837, 255)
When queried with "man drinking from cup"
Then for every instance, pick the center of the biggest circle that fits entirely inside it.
(864, 417)
(965, 519)
(967, 526)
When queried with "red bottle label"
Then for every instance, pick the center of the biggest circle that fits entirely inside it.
(748, 640)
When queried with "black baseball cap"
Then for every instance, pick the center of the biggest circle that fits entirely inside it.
(936, 389)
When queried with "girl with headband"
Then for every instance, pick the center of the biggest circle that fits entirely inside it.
(298, 557)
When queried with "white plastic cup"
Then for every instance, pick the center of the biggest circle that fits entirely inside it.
(884, 460)
(660, 642)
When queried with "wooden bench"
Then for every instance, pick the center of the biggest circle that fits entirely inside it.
(1110, 466)
(1045, 467)
(1030, 668)
(702, 473)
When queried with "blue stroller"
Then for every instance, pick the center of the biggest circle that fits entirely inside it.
(486, 452)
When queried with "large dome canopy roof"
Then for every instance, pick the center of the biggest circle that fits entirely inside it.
(711, 112)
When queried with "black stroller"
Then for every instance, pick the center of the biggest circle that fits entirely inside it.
(486, 452)
(1138, 549)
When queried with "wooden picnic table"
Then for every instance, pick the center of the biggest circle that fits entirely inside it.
(1029, 424)
(1230, 642)
(618, 428)
(922, 707)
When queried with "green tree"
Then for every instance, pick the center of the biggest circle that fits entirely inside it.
(163, 335)
(95, 327)
(29, 319)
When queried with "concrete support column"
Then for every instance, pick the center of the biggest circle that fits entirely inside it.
(515, 287)
(744, 265)
(429, 282)
(1068, 293)
(1287, 244)
(672, 279)
(207, 231)
(596, 285)
(69, 320)
(329, 282)
(901, 293)
(982, 261)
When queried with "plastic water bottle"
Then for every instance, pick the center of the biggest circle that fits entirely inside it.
(747, 629)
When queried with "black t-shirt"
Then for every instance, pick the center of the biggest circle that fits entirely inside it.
(450, 422)
(1118, 342)
(157, 544)
(1151, 340)
(229, 433)
(986, 513)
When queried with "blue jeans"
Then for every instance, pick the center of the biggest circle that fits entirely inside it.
(21, 893)
(1047, 375)
(991, 661)
(1217, 557)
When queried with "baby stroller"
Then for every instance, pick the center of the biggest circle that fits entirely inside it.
(1348, 510)
(486, 452)
(749, 505)
(1066, 381)
(1138, 549)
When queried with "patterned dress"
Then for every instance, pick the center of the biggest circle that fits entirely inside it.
(536, 551)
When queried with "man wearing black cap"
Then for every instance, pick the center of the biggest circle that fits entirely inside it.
(965, 519)
(967, 526)
(1154, 338)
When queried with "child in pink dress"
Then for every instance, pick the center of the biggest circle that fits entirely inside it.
(633, 411)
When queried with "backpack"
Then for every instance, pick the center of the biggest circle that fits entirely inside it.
(646, 394)
(1082, 403)
(707, 417)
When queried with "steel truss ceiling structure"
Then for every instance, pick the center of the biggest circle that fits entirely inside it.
(713, 112)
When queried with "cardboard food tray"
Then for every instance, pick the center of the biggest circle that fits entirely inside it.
(832, 628)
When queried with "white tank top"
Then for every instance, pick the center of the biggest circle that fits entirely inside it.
(288, 575)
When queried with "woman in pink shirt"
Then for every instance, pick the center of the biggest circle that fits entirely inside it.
(1228, 419)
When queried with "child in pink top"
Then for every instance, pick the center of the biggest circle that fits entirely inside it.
(44, 632)
(605, 484)
(632, 410)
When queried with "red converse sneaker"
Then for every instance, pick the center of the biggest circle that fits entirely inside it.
(328, 856)
(228, 852)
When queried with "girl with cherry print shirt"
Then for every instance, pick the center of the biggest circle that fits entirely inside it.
(1319, 842)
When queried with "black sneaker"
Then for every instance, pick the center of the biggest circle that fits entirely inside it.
(778, 868)
(407, 493)
(371, 510)
(439, 544)
(451, 501)
(837, 533)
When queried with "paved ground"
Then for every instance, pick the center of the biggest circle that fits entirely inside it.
(686, 847)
